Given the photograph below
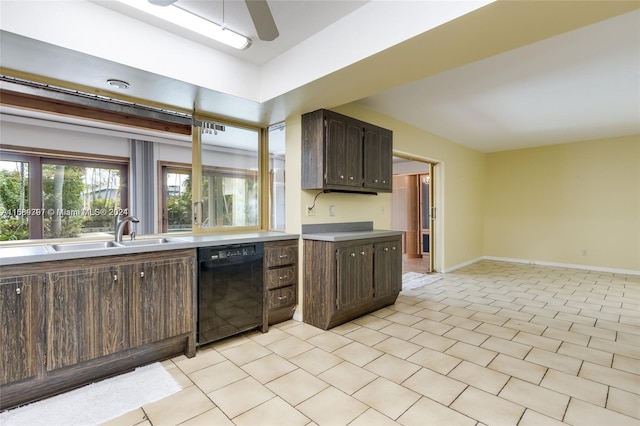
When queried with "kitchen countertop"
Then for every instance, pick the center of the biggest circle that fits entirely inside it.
(336, 232)
(348, 236)
(17, 255)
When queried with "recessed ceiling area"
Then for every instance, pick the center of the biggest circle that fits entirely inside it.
(296, 21)
(580, 85)
(488, 75)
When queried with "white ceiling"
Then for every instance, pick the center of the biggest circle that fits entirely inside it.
(581, 85)
(296, 21)
(559, 86)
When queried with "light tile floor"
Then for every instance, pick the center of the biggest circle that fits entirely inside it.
(494, 343)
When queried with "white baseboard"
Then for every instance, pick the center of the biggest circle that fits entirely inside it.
(297, 315)
(563, 265)
(461, 265)
(543, 263)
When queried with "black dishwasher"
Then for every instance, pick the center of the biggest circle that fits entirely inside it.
(230, 290)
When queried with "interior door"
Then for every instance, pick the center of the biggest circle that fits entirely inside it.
(413, 212)
(427, 215)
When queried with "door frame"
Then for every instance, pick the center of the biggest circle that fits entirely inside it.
(436, 238)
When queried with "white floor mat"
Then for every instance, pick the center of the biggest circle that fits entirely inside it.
(98, 402)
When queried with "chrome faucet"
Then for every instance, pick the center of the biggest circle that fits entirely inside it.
(120, 226)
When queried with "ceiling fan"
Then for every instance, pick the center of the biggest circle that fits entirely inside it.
(260, 15)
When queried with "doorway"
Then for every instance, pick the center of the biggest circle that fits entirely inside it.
(413, 213)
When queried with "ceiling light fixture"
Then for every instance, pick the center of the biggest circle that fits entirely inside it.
(118, 84)
(192, 22)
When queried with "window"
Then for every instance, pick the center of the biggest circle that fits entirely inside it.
(14, 200)
(277, 177)
(176, 199)
(229, 184)
(56, 197)
(230, 197)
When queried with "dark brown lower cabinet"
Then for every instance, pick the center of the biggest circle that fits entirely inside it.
(160, 305)
(387, 268)
(76, 321)
(280, 280)
(354, 276)
(345, 280)
(86, 315)
(21, 327)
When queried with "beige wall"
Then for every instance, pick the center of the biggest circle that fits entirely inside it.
(576, 203)
(459, 197)
(348, 207)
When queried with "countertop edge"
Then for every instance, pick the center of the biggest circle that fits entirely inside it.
(187, 242)
(351, 235)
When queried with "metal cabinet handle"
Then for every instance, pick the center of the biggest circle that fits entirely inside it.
(350, 177)
(393, 248)
(115, 277)
(386, 249)
(282, 297)
(282, 256)
(341, 176)
(18, 291)
(353, 255)
(142, 274)
(362, 253)
(375, 180)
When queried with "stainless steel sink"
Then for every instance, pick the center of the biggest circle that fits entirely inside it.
(147, 242)
(96, 245)
(22, 251)
(99, 245)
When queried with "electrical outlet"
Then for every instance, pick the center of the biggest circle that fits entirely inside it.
(310, 211)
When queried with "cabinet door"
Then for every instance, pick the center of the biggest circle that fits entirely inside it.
(86, 315)
(387, 268)
(279, 254)
(343, 152)
(21, 327)
(354, 283)
(282, 297)
(280, 277)
(377, 158)
(160, 301)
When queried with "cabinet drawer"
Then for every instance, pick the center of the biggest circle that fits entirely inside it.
(280, 277)
(282, 297)
(281, 255)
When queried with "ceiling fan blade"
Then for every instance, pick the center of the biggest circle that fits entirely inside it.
(262, 19)
(161, 2)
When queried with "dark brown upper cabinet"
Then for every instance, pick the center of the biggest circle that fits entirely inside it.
(340, 153)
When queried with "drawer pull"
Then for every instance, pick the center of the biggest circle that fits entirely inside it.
(281, 278)
(282, 297)
(393, 248)
(282, 256)
(142, 274)
(386, 249)
(353, 255)
(362, 253)
(18, 291)
(115, 278)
